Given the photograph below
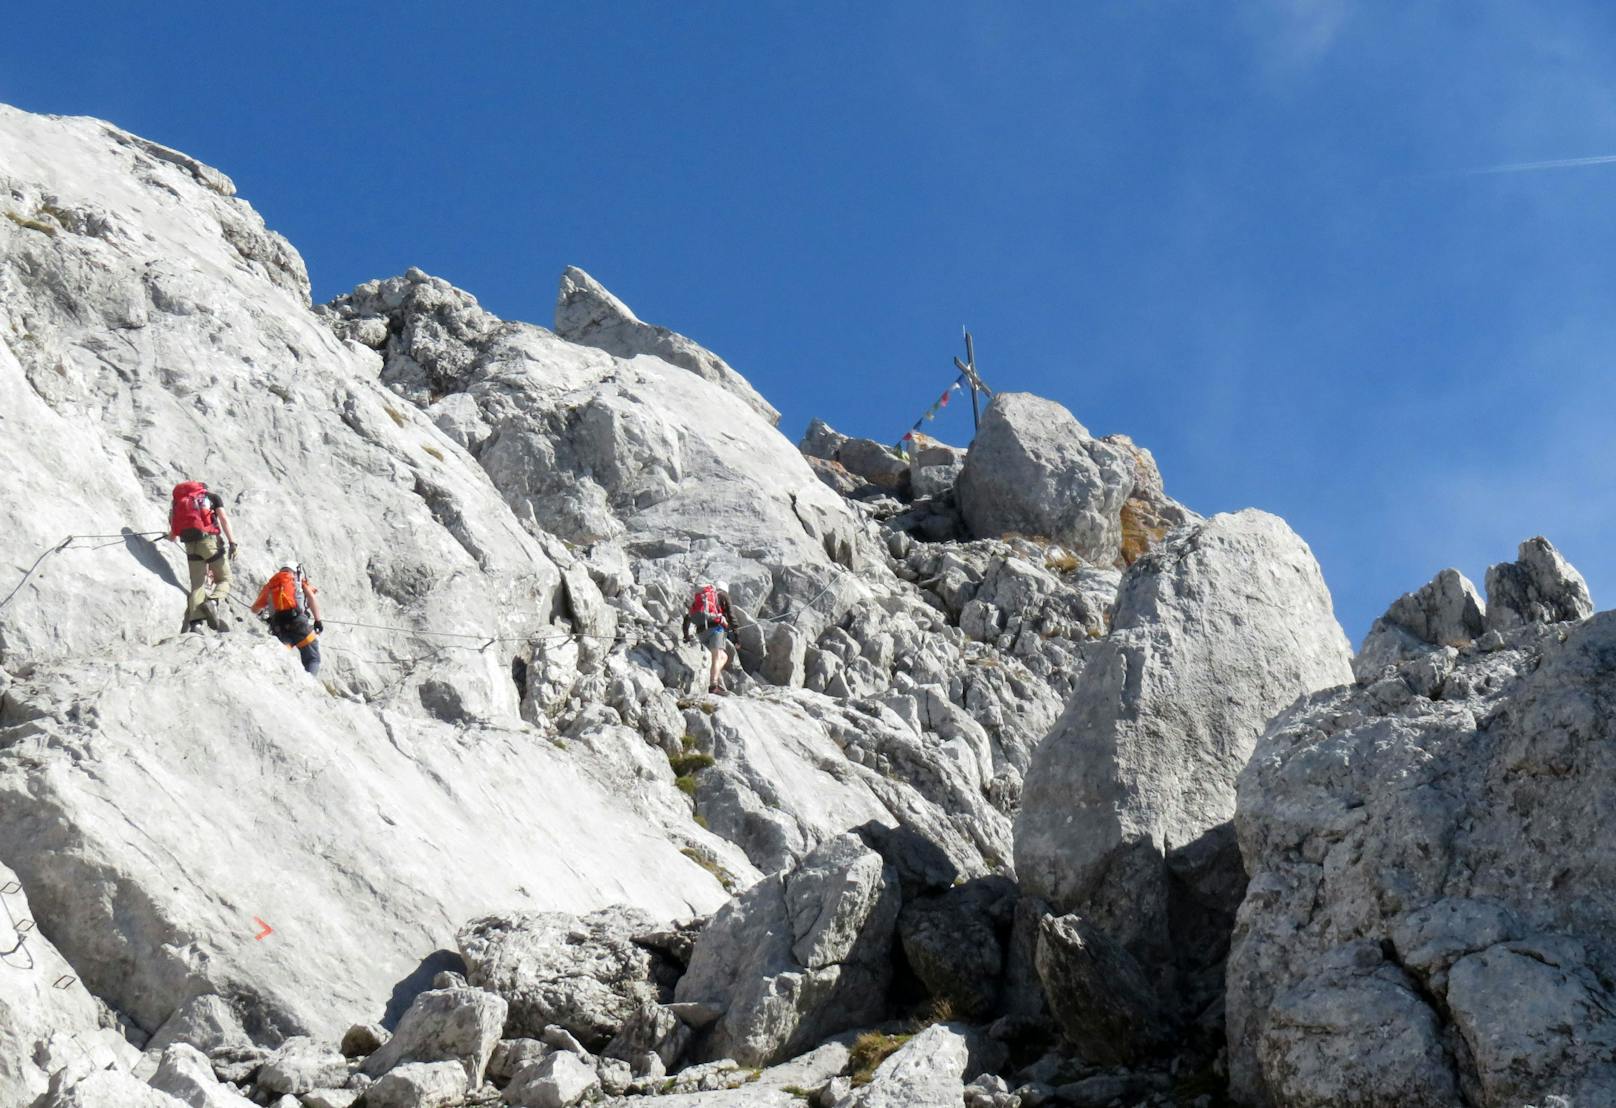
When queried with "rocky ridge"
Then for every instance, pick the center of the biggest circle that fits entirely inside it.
(967, 829)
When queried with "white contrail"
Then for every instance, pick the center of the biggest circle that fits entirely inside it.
(1558, 163)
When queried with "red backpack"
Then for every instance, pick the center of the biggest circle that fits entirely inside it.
(706, 604)
(191, 510)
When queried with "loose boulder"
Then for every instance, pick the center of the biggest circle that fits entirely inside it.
(419, 1085)
(582, 973)
(460, 1025)
(798, 957)
(926, 1071)
(184, 1073)
(1035, 470)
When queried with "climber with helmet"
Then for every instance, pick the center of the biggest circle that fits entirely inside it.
(289, 603)
(197, 518)
(710, 619)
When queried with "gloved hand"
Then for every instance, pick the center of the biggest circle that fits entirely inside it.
(233, 552)
(319, 627)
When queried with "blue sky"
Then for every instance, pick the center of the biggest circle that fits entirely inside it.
(1250, 235)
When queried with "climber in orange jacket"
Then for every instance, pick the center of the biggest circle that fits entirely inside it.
(290, 604)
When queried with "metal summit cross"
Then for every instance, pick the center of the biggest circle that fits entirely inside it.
(967, 368)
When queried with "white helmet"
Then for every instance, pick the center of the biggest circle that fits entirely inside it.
(721, 586)
(289, 561)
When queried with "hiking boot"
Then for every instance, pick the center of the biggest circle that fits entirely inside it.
(216, 620)
(717, 690)
(191, 626)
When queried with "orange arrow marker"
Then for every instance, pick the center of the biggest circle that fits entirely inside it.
(266, 929)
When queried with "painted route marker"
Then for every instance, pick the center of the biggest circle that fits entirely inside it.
(267, 929)
(64, 981)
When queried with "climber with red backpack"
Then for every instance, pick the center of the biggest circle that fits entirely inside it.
(288, 603)
(710, 619)
(196, 517)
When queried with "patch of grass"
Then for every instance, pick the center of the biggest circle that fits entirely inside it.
(797, 1091)
(701, 821)
(1138, 533)
(688, 765)
(716, 870)
(870, 1050)
(685, 784)
(31, 224)
(398, 416)
(687, 742)
(559, 743)
(434, 451)
(941, 1011)
(1061, 561)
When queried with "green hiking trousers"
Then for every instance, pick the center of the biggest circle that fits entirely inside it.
(208, 552)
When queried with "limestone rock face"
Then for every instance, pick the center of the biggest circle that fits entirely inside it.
(1427, 907)
(32, 1010)
(1035, 470)
(799, 956)
(588, 314)
(1540, 587)
(1216, 631)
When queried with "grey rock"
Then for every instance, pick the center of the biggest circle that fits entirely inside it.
(419, 1085)
(332, 1098)
(35, 1012)
(206, 1022)
(586, 313)
(1106, 1006)
(650, 1028)
(873, 462)
(457, 1024)
(301, 1065)
(1424, 872)
(951, 941)
(1355, 1031)
(1149, 515)
(1033, 469)
(821, 440)
(1215, 631)
(1446, 611)
(511, 1055)
(104, 1089)
(582, 973)
(1539, 587)
(927, 1071)
(559, 1081)
(364, 1039)
(185, 1075)
(799, 956)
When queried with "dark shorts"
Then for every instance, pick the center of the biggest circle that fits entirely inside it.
(713, 638)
